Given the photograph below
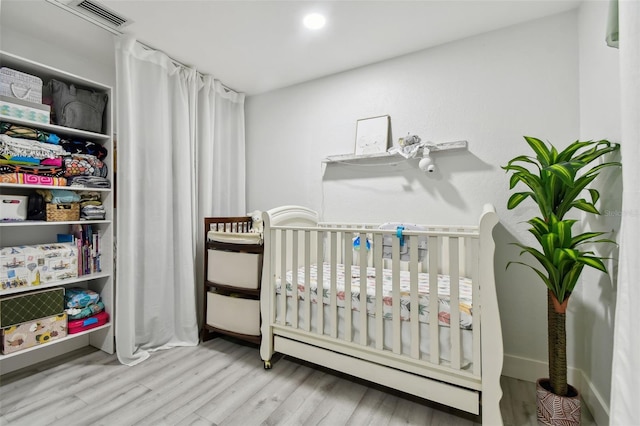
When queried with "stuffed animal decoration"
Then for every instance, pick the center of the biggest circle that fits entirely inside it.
(257, 225)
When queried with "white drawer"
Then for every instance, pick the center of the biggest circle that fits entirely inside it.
(234, 269)
(233, 314)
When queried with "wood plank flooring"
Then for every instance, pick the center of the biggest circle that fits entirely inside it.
(222, 382)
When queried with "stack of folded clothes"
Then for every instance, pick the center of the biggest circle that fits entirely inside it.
(91, 207)
(31, 156)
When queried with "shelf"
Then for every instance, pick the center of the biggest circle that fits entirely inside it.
(58, 130)
(70, 188)
(45, 223)
(81, 278)
(353, 157)
(53, 342)
(392, 154)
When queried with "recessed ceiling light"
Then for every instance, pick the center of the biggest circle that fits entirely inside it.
(314, 21)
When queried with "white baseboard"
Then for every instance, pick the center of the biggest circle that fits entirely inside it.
(531, 370)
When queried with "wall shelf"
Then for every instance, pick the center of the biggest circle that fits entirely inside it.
(394, 154)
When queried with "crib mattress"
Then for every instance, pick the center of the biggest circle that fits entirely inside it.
(235, 237)
(465, 292)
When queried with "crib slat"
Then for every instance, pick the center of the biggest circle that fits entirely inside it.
(333, 292)
(363, 290)
(283, 274)
(348, 318)
(454, 302)
(377, 253)
(414, 304)
(395, 294)
(434, 330)
(294, 281)
(307, 280)
(477, 310)
(320, 281)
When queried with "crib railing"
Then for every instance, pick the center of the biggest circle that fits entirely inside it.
(453, 252)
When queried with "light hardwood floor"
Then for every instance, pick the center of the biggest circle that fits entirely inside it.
(222, 382)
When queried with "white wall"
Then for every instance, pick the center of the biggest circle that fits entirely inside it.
(25, 44)
(599, 119)
(490, 90)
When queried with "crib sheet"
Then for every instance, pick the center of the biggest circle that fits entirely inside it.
(465, 292)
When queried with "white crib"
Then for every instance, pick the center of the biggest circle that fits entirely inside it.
(399, 335)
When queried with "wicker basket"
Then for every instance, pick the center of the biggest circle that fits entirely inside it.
(63, 212)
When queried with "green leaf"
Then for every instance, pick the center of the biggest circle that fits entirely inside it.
(564, 233)
(542, 152)
(584, 238)
(595, 195)
(582, 204)
(599, 167)
(544, 278)
(517, 198)
(597, 151)
(594, 262)
(567, 153)
(565, 171)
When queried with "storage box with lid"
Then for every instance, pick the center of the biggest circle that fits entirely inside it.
(33, 333)
(23, 307)
(20, 85)
(24, 110)
(29, 266)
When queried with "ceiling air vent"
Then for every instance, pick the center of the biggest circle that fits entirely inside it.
(94, 12)
(102, 12)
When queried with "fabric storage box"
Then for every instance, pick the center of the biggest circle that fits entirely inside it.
(63, 212)
(83, 324)
(23, 110)
(24, 307)
(234, 269)
(13, 207)
(32, 333)
(20, 85)
(25, 266)
(233, 313)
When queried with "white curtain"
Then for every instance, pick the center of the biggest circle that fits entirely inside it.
(166, 146)
(625, 380)
(220, 161)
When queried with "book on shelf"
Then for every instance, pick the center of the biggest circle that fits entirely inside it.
(88, 241)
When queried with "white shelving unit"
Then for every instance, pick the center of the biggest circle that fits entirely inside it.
(41, 232)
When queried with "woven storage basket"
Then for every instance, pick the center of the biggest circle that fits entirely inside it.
(63, 212)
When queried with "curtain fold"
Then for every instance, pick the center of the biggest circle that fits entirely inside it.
(220, 161)
(625, 380)
(172, 134)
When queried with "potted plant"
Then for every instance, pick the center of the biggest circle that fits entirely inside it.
(557, 183)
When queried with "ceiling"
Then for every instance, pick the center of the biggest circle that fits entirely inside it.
(260, 45)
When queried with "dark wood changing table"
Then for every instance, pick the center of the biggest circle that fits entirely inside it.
(226, 303)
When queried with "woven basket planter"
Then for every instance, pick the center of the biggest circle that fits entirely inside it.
(555, 410)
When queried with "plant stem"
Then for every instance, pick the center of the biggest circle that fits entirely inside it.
(557, 347)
